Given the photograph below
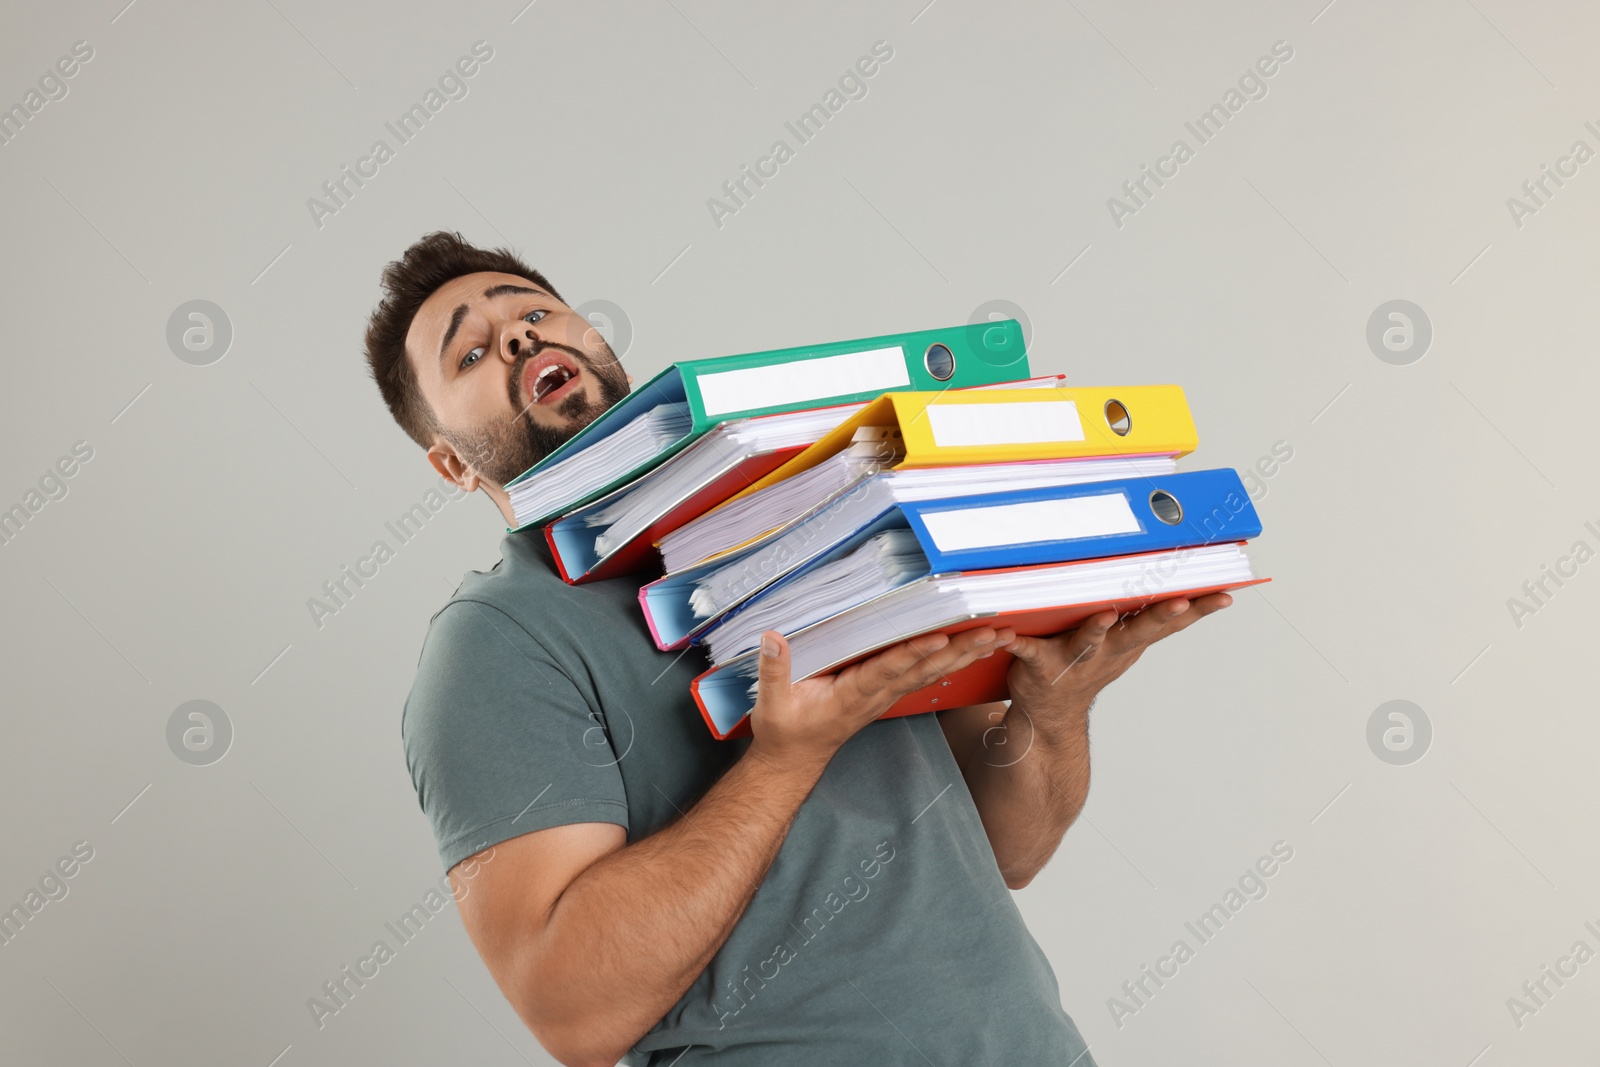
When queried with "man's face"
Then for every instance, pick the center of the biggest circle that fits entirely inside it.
(509, 371)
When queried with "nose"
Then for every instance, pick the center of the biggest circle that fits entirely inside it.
(516, 337)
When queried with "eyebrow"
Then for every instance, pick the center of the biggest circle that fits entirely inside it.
(460, 313)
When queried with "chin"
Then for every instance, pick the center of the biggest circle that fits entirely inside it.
(584, 406)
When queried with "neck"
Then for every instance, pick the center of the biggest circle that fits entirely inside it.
(501, 501)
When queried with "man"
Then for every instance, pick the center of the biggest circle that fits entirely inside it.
(831, 891)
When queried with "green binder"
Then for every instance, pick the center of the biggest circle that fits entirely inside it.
(791, 379)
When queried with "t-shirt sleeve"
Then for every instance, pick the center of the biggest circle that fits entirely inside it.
(499, 740)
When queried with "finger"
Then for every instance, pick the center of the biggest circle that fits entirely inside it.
(913, 664)
(1179, 615)
(1090, 633)
(871, 675)
(772, 678)
(1065, 650)
(959, 647)
(1029, 650)
(1198, 609)
(1151, 623)
(963, 650)
(1004, 637)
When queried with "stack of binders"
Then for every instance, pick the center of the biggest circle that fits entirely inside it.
(856, 494)
(702, 430)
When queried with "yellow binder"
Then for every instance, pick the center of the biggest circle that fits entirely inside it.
(938, 429)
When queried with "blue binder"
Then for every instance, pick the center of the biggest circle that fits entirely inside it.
(1055, 524)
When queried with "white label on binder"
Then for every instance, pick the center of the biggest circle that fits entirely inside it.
(1032, 422)
(1031, 522)
(801, 380)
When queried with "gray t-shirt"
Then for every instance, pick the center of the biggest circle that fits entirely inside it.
(883, 932)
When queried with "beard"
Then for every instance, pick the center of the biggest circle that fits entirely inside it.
(505, 448)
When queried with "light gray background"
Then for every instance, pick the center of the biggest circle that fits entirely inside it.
(1418, 500)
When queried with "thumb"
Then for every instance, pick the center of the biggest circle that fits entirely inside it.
(772, 681)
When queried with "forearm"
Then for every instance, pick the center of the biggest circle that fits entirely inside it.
(633, 932)
(1028, 802)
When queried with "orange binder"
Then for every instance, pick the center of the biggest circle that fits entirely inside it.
(721, 694)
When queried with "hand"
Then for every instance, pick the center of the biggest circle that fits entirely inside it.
(1069, 669)
(808, 721)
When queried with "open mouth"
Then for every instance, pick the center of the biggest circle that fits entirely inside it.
(549, 378)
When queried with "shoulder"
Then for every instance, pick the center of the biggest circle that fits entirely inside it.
(509, 596)
(487, 652)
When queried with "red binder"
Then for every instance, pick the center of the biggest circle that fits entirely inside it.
(640, 552)
(984, 680)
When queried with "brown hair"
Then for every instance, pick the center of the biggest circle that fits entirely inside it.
(407, 282)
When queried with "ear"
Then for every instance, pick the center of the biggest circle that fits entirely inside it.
(451, 466)
(630, 379)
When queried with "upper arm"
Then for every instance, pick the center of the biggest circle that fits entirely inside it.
(506, 893)
(506, 753)
(967, 730)
(499, 739)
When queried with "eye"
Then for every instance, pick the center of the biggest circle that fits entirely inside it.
(478, 353)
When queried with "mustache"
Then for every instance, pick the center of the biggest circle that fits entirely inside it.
(500, 449)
